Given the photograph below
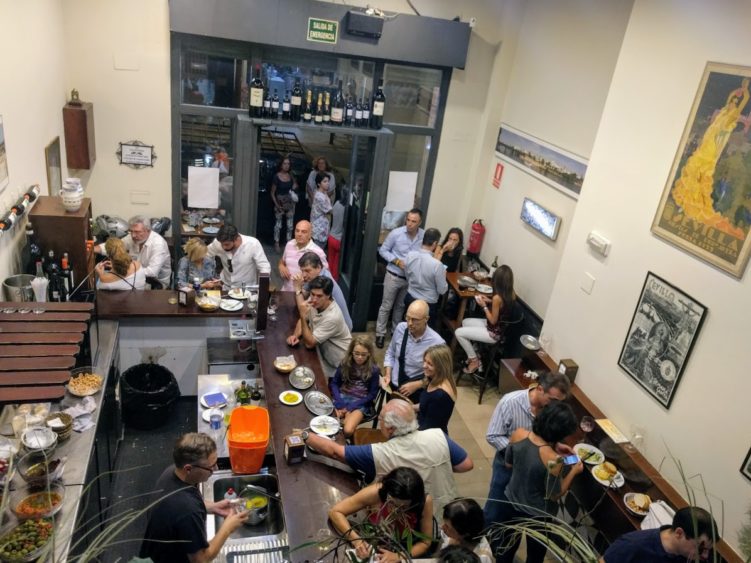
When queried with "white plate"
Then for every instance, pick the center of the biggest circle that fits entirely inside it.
(595, 459)
(210, 230)
(634, 510)
(529, 342)
(230, 305)
(237, 293)
(211, 220)
(617, 481)
(483, 288)
(325, 425)
(205, 405)
(297, 401)
(206, 414)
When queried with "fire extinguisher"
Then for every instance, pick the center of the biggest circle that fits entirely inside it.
(476, 236)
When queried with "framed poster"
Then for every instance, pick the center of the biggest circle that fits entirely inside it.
(659, 341)
(705, 207)
(54, 167)
(746, 467)
(4, 179)
(555, 166)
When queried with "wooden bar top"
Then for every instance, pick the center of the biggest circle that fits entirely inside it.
(41, 337)
(316, 485)
(59, 327)
(31, 378)
(10, 395)
(50, 306)
(153, 303)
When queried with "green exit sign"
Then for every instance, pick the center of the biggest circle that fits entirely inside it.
(322, 31)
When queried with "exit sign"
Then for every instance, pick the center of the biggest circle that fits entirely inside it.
(322, 31)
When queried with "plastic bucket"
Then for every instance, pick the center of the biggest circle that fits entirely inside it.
(247, 438)
(18, 288)
(148, 392)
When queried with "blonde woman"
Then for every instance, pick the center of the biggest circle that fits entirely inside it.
(195, 264)
(120, 271)
(355, 384)
(437, 401)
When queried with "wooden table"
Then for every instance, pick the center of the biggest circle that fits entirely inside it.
(153, 303)
(609, 511)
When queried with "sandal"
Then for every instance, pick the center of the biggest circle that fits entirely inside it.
(468, 370)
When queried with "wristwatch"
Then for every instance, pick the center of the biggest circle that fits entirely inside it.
(304, 435)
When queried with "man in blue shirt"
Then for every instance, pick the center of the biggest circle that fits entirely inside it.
(426, 276)
(400, 242)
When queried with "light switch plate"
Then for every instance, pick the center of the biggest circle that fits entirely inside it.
(587, 283)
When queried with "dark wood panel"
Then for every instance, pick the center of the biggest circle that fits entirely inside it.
(34, 364)
(51, 306)
(116, 304)
(41, 338)
(37, 351)
(27, 378)
(42, 327)
(31, 394)
(44, 317)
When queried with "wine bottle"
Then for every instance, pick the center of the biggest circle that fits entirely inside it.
(67, 273)
(358, 113)
(379, 104)
(349, 109)
(267, 104)
(308, 111)
(256, 94)
(286, 106)
(31, 253)
(327, 109)
(296, 102)
(365, 109)
(56, 288)
(242, 394)
(337, 109)
(275, 106)
(319, 109)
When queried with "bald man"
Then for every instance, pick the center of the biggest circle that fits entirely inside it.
(431, 453)
(403, 359)
(293, 251)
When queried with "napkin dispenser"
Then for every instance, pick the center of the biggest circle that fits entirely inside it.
(294, 449)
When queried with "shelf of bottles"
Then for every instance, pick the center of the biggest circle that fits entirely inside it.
(318, 106)
(22, 206)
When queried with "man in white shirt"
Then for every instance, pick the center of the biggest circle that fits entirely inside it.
(293, 251)
(149, 248)
(242, 257)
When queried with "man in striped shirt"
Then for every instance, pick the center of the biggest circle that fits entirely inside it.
(517, 410)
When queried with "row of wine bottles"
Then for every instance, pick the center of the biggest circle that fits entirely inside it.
(60, 274)
(345, 110)
(20, 207)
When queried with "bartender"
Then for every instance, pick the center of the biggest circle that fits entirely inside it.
(242, 256)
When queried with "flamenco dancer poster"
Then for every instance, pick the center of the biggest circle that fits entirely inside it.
(706, 205)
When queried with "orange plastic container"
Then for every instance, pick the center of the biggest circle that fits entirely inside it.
(247, 438)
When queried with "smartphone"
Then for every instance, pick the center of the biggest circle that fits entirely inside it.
(572, 459)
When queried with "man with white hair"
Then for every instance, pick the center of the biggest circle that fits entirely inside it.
(431, 453)
(149, 248)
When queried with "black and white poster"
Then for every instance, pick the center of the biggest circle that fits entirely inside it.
(663, 330)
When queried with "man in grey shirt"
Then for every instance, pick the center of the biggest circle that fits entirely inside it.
(426, 276)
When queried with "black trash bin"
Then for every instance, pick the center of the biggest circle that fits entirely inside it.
(148, 392)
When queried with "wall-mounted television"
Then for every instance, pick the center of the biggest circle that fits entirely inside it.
(540, 219)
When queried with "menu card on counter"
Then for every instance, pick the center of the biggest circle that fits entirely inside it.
(612, 430)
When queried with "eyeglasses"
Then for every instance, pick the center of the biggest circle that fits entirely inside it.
(209, 469)
(229, 265)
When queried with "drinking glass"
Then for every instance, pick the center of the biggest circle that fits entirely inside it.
(587, 424)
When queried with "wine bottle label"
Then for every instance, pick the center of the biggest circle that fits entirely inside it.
(366, 114)
(275, 105)
(256, 97)
(378, 108)
(296, 100)
(326, 118)
(306, 116)
(358, 114)
(336, 115)
(349, 113)
(319, 119)
(285, 106)
(267, 104)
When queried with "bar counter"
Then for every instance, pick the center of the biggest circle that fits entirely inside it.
(153, 303)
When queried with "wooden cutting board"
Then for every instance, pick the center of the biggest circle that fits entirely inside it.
(41, 338)
(36, 350)
(33, 378)
(42, 327)
(36, 364)
(31, 394)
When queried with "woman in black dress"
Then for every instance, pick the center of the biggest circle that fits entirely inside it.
(450, 250)
(437, 401)
(284, 197)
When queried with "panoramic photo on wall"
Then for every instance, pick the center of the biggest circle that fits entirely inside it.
(556, 167)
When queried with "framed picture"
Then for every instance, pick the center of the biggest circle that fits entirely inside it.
(136, 154)
(555, 166)
(540, 219)
(4, 179)
(54, 167)
(746, 467)
(706, 204)
(663, 330)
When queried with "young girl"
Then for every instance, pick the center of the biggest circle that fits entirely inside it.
(463, 523)
(355, 384)
(437, 401)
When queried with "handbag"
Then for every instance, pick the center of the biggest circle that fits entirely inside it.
(293, 196)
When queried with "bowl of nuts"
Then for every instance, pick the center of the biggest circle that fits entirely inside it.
(84, 382)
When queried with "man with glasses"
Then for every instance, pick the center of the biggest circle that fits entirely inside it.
(149, 248)
(242, 257)
(400, 242)
(690, 537)
(310, 267)
(321, 325)
(176, 528)
(517, 410)
(294, 250)
(403, 359)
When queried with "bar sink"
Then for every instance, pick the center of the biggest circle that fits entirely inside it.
(271, 529)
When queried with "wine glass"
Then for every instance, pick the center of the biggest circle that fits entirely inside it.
(587, 424)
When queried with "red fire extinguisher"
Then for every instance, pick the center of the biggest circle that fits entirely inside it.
(476, 236)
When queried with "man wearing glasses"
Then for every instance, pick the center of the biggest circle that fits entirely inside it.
(149, 248)
(403, 359)
(242, 257)
(176, 529)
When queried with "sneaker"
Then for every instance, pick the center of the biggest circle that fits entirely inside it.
(379, 341)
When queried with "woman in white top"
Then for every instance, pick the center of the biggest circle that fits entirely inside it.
(120, 271)
(463, 523)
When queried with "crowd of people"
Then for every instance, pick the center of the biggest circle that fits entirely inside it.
(409, 471)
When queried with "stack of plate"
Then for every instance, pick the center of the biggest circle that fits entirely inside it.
(61, 424)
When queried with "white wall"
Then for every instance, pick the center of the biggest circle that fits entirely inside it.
(31, 101)
(707, 427)
(118, 58)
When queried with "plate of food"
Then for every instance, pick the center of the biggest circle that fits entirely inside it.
(607, 474)
(230, 305)
(40, 504)
(325, 425)
(302, 377)
(285, 364)
(31, 535)
(318, 403)
(637, 503)
(215, 400)
(589, 454)
(290, 398)
(212, 220)
(239, 293)
(84, 384)
(484, 288)
(210, 230)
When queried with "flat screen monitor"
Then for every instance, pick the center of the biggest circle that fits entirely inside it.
(540, 219)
